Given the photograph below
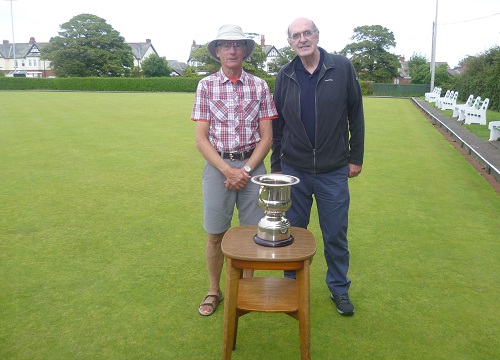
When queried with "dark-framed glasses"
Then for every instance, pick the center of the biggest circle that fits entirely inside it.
(226, 45)
(306, 34)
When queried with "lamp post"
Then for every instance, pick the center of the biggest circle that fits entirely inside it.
(13, 39)
(433, 56)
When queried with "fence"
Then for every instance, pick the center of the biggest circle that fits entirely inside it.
(400, 90)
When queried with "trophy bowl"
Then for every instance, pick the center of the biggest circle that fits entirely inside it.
(274, 199)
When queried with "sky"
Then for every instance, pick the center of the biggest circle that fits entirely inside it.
(463, 27)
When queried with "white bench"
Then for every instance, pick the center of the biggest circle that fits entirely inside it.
(440, 99)
(468, 103)
(449, 104)
(477, 116)
(462, 109)
(494, 127)
(433, 95)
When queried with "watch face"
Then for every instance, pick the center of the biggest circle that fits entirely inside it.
(247, 168)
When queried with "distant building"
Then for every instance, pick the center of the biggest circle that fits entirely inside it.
(141, 51)
(191, 62)
(270, 51)
(403, 72)
(178, 68)
(27, 61)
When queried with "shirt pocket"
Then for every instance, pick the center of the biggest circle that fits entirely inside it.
(250, 110)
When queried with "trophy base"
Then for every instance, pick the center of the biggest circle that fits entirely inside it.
(270, 243)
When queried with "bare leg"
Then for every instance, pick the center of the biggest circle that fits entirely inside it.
(215, 260)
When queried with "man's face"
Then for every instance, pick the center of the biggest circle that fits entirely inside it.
(302, 38)
(231, 53)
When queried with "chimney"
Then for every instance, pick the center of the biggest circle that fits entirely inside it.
(262, 40)
(32, 40)
(148, 41)
(6, 42)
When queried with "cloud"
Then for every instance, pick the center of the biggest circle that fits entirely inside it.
(461, 31)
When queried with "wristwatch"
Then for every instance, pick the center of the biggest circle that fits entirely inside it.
(247, 168)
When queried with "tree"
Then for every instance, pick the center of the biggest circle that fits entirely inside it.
(136, 72)
(155, 66)
(205, 62)
(287, 55)
(88, 46)
(420, 72)
(481, 77)
(369, 53)
(190, 72)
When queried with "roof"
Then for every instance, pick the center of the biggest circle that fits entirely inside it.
(23, 49)
(141, 48)
(178, 67)
(267, 49)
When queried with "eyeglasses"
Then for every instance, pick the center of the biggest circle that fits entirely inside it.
(306, 34)
(229, 45)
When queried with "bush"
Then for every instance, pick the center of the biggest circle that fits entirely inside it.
(164, 84)
(481, 78)
(366, 87)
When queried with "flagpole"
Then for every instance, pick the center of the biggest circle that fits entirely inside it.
(433, 56)
(13, 39)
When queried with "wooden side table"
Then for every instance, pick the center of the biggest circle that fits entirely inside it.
(266, 294)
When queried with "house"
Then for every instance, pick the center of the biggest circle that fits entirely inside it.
(23, 59)
(26, 61)
(403, 72)
(178, 68)
(270, 51)
(141, 51)
(191, 62)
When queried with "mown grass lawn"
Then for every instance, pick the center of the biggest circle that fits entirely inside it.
(102, 246)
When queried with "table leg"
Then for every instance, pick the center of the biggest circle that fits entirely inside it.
(233, 276)
(303, 288)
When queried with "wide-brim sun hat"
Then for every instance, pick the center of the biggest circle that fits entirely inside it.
(233, 33)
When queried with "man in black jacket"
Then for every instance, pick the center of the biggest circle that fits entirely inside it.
(319, 138)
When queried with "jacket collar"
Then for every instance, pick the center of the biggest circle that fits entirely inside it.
(328, 62)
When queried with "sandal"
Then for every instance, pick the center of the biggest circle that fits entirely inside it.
(213, 304)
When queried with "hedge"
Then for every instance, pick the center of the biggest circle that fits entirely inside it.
(165, 84)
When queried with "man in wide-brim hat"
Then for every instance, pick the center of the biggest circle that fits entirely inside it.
(231, 110)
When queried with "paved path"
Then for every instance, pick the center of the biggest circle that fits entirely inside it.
(487, 153)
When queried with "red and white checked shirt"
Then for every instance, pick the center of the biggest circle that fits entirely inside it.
(233, 110)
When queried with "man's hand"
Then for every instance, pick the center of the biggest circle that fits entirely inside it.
(354, 170)
(236, 179)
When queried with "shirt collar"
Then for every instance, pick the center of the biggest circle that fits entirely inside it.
(224, 78)
(300, 67)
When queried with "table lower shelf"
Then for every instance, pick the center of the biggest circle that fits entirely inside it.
(267, 294)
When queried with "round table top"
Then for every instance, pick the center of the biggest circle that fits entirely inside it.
(238, 244)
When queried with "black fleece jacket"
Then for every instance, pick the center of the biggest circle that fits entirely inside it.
(340, 124)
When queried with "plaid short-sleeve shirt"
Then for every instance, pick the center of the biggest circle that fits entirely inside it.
(233, 110)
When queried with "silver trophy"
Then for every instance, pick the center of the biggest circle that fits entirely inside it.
(274, 198)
